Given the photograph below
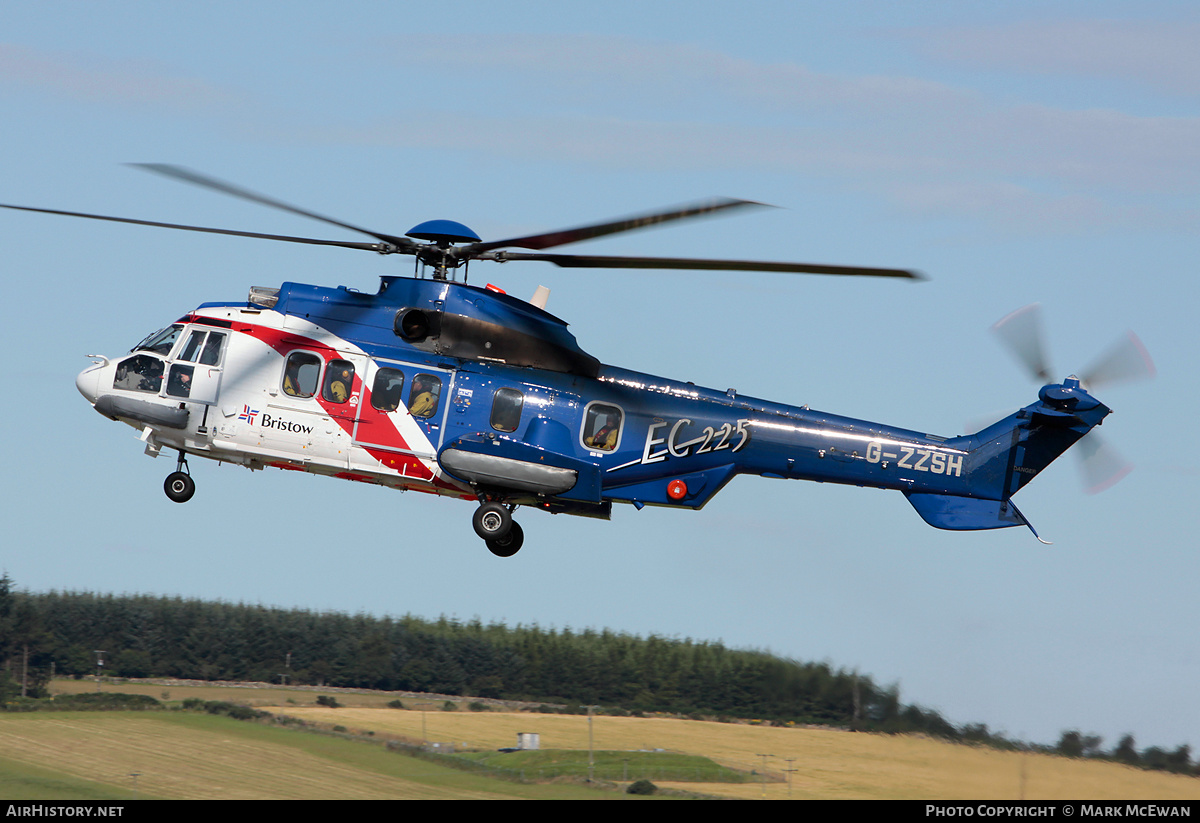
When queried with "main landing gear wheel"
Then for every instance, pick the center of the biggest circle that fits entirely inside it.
(492, 521)
(508, 545)
(179, 487)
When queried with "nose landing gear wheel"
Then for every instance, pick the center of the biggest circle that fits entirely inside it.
(508, 545)
(492, 521)
(179, 487)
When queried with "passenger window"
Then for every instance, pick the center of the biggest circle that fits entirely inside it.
(301, 373)
(339, 381)
(387, 389)
(602, 427)
(139, 373)
(506, 409)
(423, 398)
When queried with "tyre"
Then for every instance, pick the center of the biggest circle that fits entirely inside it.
(492, 521)
(179, 487)
(508, 545)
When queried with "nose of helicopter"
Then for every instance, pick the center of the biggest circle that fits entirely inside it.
(88, 382)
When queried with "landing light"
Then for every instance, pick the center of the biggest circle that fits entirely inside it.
(263, 296)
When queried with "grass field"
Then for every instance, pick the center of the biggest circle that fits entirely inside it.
(184, 755)
(828, 764)
(178, 755)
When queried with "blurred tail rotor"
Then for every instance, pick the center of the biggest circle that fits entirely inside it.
(1021, 332)
(1127, 360)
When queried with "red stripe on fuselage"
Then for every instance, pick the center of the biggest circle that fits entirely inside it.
(384, 430)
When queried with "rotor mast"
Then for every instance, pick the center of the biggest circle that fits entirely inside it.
(440, 255)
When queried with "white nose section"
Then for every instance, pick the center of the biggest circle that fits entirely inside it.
(88, 381)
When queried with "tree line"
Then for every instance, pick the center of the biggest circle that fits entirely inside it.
(70, 633)
(1074, 743)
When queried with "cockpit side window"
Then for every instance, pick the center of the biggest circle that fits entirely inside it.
(142, 372)
(301, 374)
(387, 389)
(203, 347)
(339, 381)
(424, 395)
(602, 427)
(161, 342)
(211, 355)
(506, 410)
(193, 345)
(179, 381)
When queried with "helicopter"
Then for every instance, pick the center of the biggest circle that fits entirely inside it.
(439, 386)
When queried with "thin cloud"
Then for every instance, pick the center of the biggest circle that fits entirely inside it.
(658, 73)
(632, 104)
(1160, 55)
(92, 79)
(679, 103)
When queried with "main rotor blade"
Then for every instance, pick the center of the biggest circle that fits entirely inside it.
(1021, 332)
(579, 261)
(1127, 360)
(561, 237)
(377, 247)
(402, 244)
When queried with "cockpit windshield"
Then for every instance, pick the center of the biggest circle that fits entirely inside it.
(162, 341)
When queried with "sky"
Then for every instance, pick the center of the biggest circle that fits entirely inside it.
(1015, 153)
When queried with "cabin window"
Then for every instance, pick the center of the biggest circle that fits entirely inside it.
(506, 409)
(424, 395)
(300, 374)
(602, 427)
(387, 389)
(339, 381)
(141, 372)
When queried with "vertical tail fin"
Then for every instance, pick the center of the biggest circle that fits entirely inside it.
(1005, 456)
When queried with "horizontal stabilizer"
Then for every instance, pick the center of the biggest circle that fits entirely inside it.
(951, 511)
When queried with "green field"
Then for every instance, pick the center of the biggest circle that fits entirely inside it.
(177, 755)
(612, 766)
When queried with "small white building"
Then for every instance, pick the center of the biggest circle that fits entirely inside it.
(529, 741)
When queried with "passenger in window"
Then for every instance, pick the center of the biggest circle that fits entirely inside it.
(605, 437)
(421, 402)
(339, 381)
(300, 375)
(291, 379)
(389, 386)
